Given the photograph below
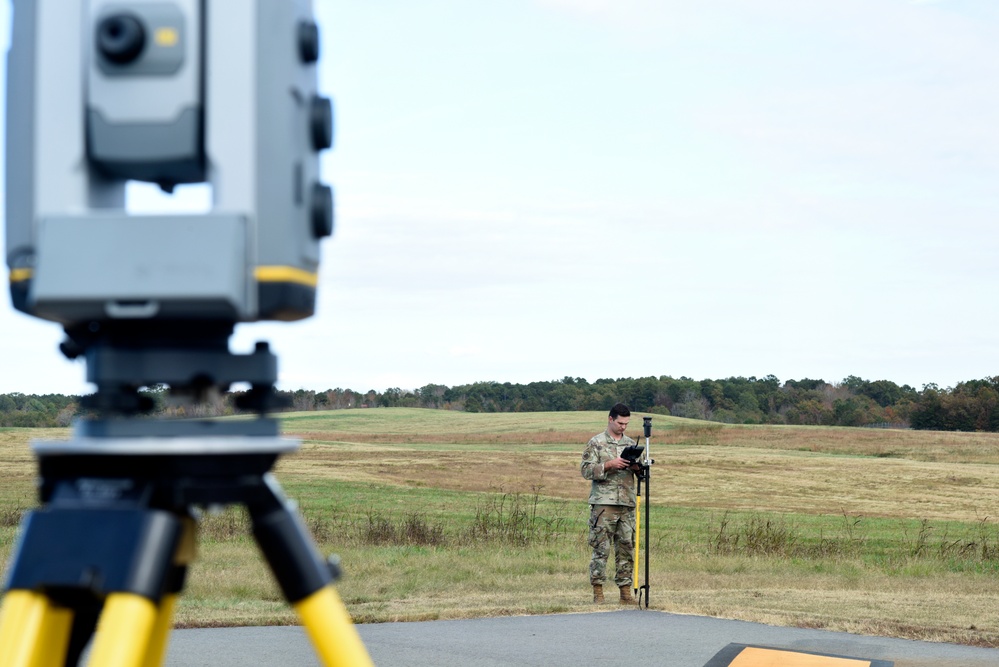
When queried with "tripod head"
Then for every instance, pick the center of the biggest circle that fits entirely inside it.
(222, 92)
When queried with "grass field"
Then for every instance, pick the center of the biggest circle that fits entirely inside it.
(450, 515)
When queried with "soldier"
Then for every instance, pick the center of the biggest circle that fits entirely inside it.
(612, 504)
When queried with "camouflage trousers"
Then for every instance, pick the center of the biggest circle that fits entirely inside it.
(612, 525)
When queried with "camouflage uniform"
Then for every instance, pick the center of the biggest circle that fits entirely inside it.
(612, 509)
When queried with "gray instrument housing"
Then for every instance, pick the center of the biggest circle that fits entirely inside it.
(224, 92)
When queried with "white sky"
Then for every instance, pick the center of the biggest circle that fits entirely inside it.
(531, 189)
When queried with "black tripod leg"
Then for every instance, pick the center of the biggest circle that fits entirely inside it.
(84, 622)
(304, 579)
(172, 588)
(288, 549)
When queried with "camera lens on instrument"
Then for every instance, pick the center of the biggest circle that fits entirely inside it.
(121, 38)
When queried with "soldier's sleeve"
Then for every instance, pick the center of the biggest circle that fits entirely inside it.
(590, 467)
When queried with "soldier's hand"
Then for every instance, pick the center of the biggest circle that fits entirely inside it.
(616, 464)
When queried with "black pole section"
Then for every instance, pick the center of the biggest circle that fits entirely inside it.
(648, 474)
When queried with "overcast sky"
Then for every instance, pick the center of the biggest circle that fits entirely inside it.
(531, 189)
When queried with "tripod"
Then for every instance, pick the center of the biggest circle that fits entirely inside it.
(107, 553)
(643, 474)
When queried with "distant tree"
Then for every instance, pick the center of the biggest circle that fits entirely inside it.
(303, 400)
(928, 413)
(694, 406)
(432, 395)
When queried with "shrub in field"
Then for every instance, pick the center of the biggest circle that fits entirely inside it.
(414, 529)
(234, 524)
(516, 519)
(980, 544)
(776, 537)
(229, 524)
(11, 516)
(760, 536)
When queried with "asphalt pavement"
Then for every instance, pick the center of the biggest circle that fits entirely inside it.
(622, 637)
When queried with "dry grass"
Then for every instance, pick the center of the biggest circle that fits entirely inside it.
(929, 446)
(858, 571)
(414, 583)
(947, 608)
(535, 430)
(852, 473)
(735, 469)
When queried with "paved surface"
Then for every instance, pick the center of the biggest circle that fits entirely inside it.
(625, 637)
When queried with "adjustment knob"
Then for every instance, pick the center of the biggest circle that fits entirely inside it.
(308, 41)
(321, 122)
(321, 210)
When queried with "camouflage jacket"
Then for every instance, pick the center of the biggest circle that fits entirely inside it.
(614, 487)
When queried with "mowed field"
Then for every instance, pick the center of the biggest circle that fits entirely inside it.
(440, 514)
(886, 473)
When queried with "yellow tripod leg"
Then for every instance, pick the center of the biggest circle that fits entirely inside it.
(186, 552)
(124, 631)
(331, 631)
(156, 650)
(33, 631)
(638, 542)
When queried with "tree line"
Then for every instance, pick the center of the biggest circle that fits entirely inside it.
(968, 406)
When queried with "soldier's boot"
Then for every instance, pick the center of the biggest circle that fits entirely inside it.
(598, 594)
(626, 596)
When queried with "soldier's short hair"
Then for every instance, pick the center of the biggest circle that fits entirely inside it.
(619, 410)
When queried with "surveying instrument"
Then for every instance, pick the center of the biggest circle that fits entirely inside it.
(101, 92)
(643, 474)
